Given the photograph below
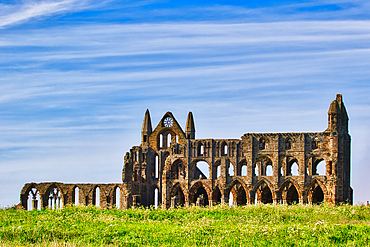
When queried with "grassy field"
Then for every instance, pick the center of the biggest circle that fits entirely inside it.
(252, 225)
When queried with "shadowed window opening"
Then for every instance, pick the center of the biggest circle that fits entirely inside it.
(292, 195)
(216, 196)
(177, 197)
(262, 144)
(200, 197)
(317, 195)
(266, 195)
(223, 149)
(288, 144)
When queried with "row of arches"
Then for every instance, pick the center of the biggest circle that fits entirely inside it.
(289, 193)
(288, 142)
(201, 169)
(165, 139)
(54, 198)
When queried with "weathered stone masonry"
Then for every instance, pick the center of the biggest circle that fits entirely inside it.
(166, 163)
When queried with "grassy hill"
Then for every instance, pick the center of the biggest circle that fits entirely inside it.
(251, 225)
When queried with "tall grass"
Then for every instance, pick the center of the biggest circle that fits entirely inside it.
(250, 225)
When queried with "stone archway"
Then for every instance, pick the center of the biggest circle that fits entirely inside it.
(177, 196)
(198, 195)
(317, 195)
(264, 193)
(238, 192)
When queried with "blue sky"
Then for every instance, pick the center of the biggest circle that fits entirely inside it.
(76, 77)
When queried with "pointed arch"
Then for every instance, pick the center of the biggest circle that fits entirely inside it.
(262, 143)
(216, 170)
(200, 170)
(288, 143)
(292, 167)
(177, 196)
(55, 198)
(264, 191)
(178, 169)
(224, 149)
(117, 196)
(200, 149)
(320, 166)
(290, 192)
(76, 195)
(32, 199)
(239, 192)
(261, 163)
(242, 168)
(199, 193)
(316, 192)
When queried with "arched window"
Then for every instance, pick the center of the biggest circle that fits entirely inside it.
(244, 170)
(262, 144)
(117, 197)
(269, 171)
(96, 197)
(169, 136)
(76, 195)
(320, 168)
(34, 200)
(317, 195)
(55, 199)
(200, 149)
(288, 144)
(156, 166)
(315, 143)
(294, 169)
(224, 149)
(161, 141)
(156, 198)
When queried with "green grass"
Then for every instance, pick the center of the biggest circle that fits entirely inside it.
(251, 225)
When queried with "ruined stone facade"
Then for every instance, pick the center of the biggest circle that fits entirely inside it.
(165, 169)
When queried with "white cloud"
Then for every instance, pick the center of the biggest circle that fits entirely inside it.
(33, 9)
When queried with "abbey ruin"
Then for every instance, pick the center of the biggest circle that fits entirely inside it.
(164, 170)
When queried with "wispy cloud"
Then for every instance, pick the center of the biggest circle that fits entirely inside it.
(33, 9)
